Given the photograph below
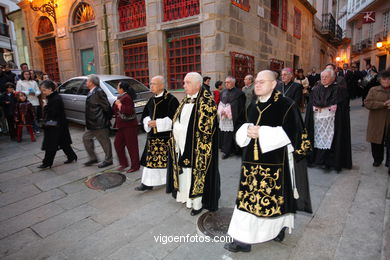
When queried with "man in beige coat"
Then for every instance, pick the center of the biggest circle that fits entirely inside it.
(378, 102)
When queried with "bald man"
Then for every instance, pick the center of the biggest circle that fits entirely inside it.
(273, 138)
(194, 175)
(157, 120)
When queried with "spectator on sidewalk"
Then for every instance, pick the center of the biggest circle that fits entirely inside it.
(32, 91)
(126, 122)
(378, 102)
(56, 130)
(217, 91)
(98, 114)
(8, 103)
(248, 90)
(24, 116)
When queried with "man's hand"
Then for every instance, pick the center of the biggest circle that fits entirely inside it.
(253, 132)
(333, 108)
(387, 103)
(152, 123)
(117, 102)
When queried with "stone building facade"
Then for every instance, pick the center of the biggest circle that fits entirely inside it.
(143, 38)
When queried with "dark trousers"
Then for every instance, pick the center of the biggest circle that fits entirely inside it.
(378, 152)
(227, 142)
(11, 127)
(49, 155)
(103, 137)
(19, 131)
(127, 138)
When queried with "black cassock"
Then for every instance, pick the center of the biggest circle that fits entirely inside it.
(265, 188)
(339, 155)
(156, 148)
(200, 154)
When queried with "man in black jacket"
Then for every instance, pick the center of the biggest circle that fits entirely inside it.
(97, 118)
(8, 102)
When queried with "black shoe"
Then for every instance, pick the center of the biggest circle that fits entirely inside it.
(234, 247)
(90, 162)
(196, 212)
(143, 187)
(105, 164)
(44, 166)
(377, 164)
(225, 156)
(74, 159)
(280, 237)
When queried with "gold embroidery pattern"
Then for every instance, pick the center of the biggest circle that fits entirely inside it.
(186, 161)
(277, 95)
(175, 164)
(203, 142)
(259, 191)
(157, 153)
(305, 144)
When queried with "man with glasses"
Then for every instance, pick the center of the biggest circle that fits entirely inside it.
(289, 88)
(273, 138)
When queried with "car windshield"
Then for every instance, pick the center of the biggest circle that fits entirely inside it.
(137, 86)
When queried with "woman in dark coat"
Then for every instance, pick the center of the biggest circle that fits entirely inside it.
(126, 122)
(56, 128)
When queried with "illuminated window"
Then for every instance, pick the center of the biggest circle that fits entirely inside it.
(84, 13)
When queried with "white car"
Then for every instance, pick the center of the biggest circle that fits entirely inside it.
(74, 94)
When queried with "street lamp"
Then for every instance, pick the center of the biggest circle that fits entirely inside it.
(382, 45)
(338, 59)
(379, 44)
(49, 8)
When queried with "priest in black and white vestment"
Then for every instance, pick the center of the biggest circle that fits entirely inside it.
(193, 171)
(157, 121)
(272, 139)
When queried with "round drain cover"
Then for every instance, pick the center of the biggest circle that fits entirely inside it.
(215, 223)
(106, 180)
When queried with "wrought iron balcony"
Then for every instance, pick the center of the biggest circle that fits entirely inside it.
(339, 33)
(328, 26)
(356, 48)
(366, 44)
(4, 29)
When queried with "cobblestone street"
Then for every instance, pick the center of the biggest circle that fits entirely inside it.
(51, 214)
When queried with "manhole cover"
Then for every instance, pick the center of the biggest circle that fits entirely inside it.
(106, 180)
(359, 147)
(215, 223)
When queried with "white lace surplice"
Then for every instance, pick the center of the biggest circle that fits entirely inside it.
(323, 128)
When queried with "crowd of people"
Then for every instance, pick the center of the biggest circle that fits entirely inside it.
(261, 122)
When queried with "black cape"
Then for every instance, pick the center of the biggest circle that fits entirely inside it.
(156, 147)
(201, 153)
(265, 188)
(339, 155)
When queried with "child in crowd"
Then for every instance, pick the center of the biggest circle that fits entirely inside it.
(24, 116)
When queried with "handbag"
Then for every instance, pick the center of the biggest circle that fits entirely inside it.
(51, 123)
(125, 117)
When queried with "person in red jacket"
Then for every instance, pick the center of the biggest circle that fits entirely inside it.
(126, 122)
(217, 91)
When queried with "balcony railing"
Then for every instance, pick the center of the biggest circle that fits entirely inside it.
(328, 25)
(366, 44)
(339, 33)
(4, 29)
(356, 48)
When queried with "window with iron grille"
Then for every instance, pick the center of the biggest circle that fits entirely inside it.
(243, 4)
(132, 14)
(176, 9)
(183, 55)
(297, 23)
(276, 65)
(279, 13)
(50, 59)
(135, 57)
(242, 65)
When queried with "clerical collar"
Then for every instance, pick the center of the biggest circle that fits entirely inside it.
(264, 99)
(193, 96)
(190, 99)
(159, 95)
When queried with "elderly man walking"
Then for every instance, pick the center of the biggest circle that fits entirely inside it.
(157, 120)
(97, 118)
(193, 173)
(328, 124)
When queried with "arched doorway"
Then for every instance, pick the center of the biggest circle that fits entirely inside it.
(49, 49)
(85, 39)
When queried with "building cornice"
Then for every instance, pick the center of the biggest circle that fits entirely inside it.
(308, 6)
